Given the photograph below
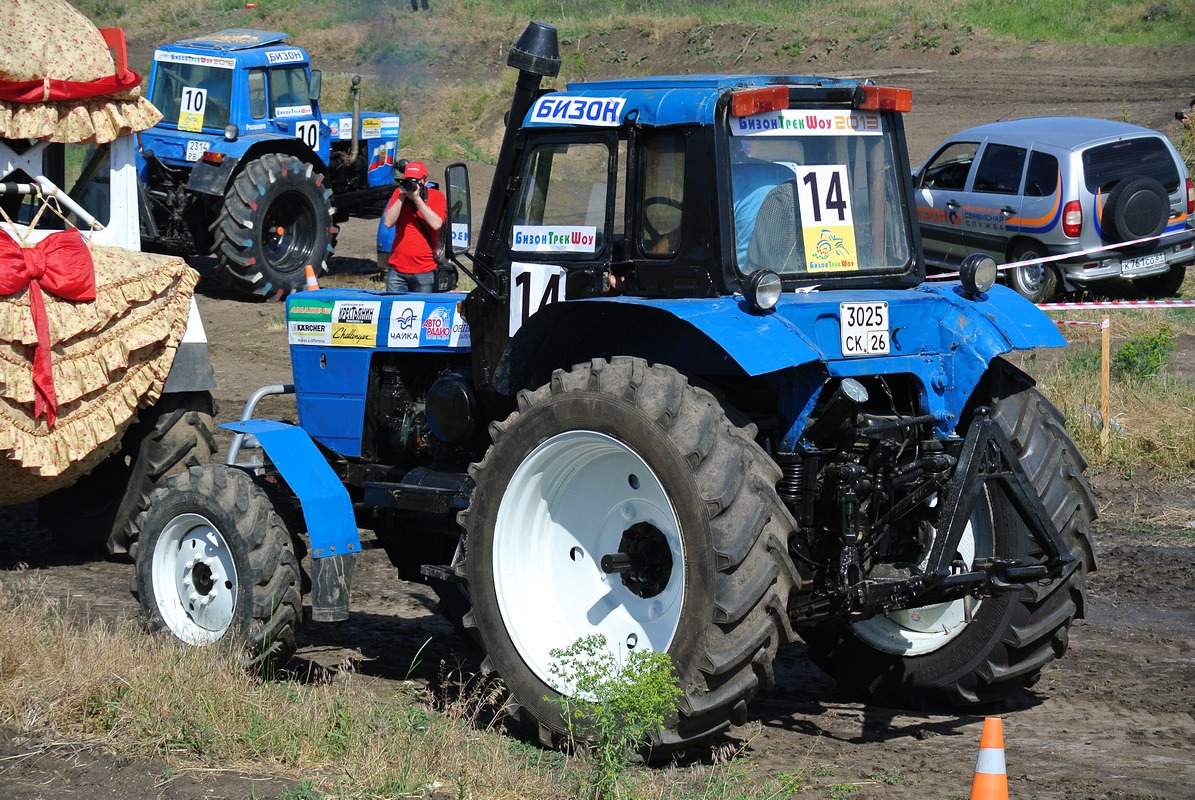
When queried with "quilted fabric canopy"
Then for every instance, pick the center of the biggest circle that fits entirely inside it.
(58, 80)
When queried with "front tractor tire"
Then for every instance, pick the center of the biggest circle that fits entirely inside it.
(275, 221)
(935, 656)
(216, 564)
(627, 463)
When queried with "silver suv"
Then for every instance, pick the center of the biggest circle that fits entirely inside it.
(1028, 188)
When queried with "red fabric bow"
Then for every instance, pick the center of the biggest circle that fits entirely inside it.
(60, 264)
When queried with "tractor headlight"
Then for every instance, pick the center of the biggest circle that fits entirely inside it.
(762, 290)
(231, 132)
(977, 273)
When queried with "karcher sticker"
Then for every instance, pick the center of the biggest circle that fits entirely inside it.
(309, 322)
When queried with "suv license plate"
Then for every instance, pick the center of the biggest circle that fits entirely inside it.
(196, 149)
(864, 328)
(1141, 262)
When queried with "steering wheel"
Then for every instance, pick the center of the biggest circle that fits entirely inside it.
(654, 234)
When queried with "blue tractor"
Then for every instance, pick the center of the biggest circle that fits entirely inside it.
(245, 165)
(700, 401)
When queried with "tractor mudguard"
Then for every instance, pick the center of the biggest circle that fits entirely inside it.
(936, 334)
(331, 525)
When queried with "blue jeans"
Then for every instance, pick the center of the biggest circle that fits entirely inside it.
(405, 282)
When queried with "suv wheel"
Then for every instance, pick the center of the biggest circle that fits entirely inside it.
(1036, 282)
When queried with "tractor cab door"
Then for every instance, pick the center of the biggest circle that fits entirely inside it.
(291, 108)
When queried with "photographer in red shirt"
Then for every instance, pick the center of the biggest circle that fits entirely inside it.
(416, 212)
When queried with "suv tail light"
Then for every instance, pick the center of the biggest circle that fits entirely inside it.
(1072, 219)
(1190, 196)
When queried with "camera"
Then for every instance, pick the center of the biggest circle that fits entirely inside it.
(408, 184)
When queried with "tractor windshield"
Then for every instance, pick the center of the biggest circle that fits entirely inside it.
(817, 191)
(192, 96)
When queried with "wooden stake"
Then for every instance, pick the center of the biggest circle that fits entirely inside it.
(1105, 375)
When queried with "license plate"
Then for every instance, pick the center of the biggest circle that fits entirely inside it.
(196, 149)
(864, 328)
(1128, 265)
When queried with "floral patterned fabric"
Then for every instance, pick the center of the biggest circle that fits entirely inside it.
(111, 356)
(53, 42)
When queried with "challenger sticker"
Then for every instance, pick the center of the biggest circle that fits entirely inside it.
(309, 322)
(563, 110)
(554, 239)
(371, 128)
(355, 323)
(815, 122)
(827, 224)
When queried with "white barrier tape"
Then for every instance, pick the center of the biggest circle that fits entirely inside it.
(1062, 256)
(1113, 305)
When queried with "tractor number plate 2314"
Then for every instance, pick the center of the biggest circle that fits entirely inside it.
(864, 328)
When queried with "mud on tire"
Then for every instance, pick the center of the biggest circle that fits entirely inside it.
(276, 220)
(216, 564)
(619, 457)
(1002, 651)
(94, 516)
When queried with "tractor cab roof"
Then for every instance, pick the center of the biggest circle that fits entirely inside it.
(233, 39)
(668, 99)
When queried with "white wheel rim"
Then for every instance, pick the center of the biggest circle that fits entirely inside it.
(918, 631)
(568, 504)
(194, 579)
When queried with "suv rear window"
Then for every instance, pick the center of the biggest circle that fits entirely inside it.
(1144, 156)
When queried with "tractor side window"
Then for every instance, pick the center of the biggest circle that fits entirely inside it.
(192, 96)
(257, 93)
(663, 195)
(1000, 169)
(290, 93)
(948, 169)
(562, 204)
(1042, 178)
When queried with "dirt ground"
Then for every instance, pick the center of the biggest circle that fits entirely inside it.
(1114, 718)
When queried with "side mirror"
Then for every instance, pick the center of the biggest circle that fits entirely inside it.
(460, 221)
(317, 82)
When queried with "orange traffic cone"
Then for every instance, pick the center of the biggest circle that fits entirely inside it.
(991, 777)
(312, 283)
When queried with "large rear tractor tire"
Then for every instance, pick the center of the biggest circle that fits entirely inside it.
(215, 563)
(276, 220)
(94, 515)
(933, 656)
(626, 460)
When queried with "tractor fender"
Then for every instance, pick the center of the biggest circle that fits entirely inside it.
(214, 179)
(191, 370)
(326, 506)
(803, 328)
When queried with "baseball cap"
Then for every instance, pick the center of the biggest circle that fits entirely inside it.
(415, 169)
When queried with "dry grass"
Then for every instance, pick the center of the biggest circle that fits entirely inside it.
(66, 677)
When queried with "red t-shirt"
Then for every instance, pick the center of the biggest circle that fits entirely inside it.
(412, 252)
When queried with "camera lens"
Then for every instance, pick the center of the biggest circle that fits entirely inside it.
(407, 184)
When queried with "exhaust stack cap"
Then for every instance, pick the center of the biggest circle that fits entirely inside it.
(536, 51)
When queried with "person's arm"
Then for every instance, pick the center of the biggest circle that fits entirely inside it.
(434, 221)
(390, 215)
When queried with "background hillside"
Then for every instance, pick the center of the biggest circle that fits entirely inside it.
(444, 69)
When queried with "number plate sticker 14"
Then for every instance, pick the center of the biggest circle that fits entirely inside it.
(865, 330)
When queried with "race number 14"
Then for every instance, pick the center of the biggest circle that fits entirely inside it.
(865, 329)
(533, 286)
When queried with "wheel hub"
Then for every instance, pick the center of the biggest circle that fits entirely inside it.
(194, 579)
(579, 499)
